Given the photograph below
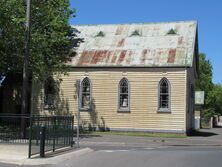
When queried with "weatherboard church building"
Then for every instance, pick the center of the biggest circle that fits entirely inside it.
(129, 77)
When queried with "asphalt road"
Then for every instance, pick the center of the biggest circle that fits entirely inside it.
(202, 150)
(150, 157)
(146, 157)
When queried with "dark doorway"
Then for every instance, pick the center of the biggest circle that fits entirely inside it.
(11, 95)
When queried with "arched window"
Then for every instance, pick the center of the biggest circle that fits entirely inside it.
(164, 95)
(85, 94)
(124, 101)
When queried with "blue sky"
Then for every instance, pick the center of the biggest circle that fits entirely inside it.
(208, 13)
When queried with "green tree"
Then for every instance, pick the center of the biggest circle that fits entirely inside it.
(52, 38)
(214, 99)
(204, 82)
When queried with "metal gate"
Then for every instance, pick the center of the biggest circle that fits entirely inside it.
(58, 133)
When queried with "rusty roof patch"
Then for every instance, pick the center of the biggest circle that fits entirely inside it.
(98, 57)
(171, 56)
(121, 43)
(152, 49)
(85, 58)
(121, 57)
(114, 59)
(108, 55)
(143, 57)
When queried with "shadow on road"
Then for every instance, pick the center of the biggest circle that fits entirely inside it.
(202, 134)
(217, 126)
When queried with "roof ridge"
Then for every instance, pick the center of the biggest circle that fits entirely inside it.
(138, 23)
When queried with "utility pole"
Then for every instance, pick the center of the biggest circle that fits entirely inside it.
(25, 84)
(78, 113)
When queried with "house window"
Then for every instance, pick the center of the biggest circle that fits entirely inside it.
(164, 95)
(85, 96)
(124, 95)
(49, 93)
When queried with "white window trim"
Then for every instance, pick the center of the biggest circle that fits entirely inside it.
(164, 110)
(120, 109)
(80, 95)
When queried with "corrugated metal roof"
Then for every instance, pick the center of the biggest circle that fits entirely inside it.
(142, 45)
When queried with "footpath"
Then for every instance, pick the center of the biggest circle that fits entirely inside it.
(17, 154)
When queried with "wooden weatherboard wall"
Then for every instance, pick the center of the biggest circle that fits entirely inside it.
(143, 113)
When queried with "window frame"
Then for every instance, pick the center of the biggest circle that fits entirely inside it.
(164, 110)
(81, 108)
(125, 109)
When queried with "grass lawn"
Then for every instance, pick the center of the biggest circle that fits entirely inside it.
(142, 134)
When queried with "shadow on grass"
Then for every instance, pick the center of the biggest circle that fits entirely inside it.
(87, 135)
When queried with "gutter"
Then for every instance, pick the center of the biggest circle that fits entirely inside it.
(130, 66)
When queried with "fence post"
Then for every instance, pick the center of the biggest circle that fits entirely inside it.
(30, 136)
(54, 132)
(72, 133)
(42, 141)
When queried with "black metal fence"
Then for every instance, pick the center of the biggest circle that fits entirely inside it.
(26, 129)
(58, 132)
(14, 128)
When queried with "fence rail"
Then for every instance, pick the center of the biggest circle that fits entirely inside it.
(26, 129)
(59, 132)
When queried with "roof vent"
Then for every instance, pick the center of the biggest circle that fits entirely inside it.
(100, 34)
(171, 32)
(135, 33)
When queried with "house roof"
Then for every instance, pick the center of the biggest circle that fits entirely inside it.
(138, 45)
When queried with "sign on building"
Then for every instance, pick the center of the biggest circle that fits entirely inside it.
(199, 97)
